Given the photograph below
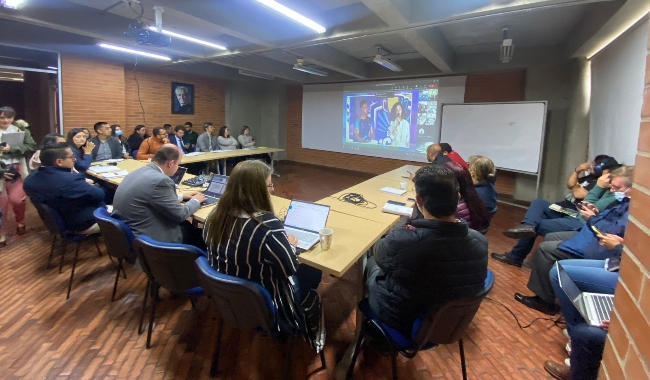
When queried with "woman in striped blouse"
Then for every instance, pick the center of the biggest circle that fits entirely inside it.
(245, 239)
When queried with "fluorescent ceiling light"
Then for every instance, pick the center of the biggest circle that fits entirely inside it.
(150, 55)
(14, 4)
(256, 75)
(293, 15)
(52, 68)
(387, 63)
(309, 70)
(187, 38)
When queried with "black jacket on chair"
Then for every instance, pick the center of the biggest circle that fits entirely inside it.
(424, 266)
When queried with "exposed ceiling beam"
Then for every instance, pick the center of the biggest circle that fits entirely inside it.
(333, 59)
(262, 65)
(430, 42)
(627, 16)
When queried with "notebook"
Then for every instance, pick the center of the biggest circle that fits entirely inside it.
(594, 307)
(304, 220)
(178, 176)
(215, 190)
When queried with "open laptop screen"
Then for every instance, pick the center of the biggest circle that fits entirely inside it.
(307, 216)
(567, 284)
(178, 176)
(217, 186)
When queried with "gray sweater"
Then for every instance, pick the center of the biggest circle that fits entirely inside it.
(246, 141)
(227, 143)
(206, 142)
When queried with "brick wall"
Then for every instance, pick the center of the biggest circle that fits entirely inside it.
(627, 354)
(96, 90)
(489, 87)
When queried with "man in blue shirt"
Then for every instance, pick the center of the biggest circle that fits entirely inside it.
(55, 185)
(596, 240)
(363, 131)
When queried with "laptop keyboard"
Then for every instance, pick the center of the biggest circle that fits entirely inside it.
(305, 239)
(603, 306)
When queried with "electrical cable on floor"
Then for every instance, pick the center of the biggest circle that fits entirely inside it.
(556, 322)
(135, 77)
(356, 199)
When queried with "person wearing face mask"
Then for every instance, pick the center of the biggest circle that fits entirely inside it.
(118, 134)
(599, 239)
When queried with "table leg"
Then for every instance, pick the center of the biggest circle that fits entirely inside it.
(342, 368)
(272, 160)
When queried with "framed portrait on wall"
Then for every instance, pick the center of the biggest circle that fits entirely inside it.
(182, 98)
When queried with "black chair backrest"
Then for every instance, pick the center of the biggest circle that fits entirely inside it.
(447, 324)
(169, 265)
(49, 218)
(242, 304)
(118, 237)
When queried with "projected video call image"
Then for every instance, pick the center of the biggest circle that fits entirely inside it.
(396, 119)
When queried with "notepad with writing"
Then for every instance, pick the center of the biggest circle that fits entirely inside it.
(392, 190)
(392, 208)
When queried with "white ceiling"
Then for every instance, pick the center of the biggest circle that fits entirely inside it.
(428, 32)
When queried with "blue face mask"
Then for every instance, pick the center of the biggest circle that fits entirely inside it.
(619, 195)
(119, 133)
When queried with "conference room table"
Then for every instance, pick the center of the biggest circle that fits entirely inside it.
(195, 157)
(401, 173)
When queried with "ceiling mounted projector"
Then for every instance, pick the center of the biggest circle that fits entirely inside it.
(300, 66)
(384, 61)
(507, 48)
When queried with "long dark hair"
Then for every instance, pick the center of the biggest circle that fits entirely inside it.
(50, 139)
(73, 132)
(137, 128)
(222, 131)
(477, 209)
(393, 111)
(246, 193)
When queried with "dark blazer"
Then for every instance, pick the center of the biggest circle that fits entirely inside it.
(173, 140)
(424, 266)
(441, 159)
(113, 143)
(83, 161)
(67, 193)
(134, 141)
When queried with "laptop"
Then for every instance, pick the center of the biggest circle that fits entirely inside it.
(304, 220)
(178, 176)
(594, 307)
(215, 190)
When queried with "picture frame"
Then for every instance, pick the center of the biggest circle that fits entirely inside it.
(182, 98)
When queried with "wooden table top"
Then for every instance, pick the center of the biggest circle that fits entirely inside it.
(401, 174)
(211, 156)
(129, 165)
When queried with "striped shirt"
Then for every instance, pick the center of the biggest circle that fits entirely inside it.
(255, 251)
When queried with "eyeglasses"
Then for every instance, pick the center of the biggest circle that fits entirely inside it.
(73, 158)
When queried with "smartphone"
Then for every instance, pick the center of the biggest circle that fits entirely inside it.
(612, 264)
(597, 231)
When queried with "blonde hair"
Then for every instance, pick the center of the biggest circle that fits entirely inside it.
(245, 193)
(481, 168)
(624, 171)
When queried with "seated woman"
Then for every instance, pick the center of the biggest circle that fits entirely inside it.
(118, 134)
(470, 205)
(81, 149)
(226, 142)
(248, 142)
(484, 175)
(138, 136)
(49, 139)
(245, 222)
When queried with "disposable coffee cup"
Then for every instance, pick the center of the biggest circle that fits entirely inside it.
(325, 238)
(403, 185)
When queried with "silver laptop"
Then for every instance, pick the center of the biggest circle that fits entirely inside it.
(594, 307)
(304, 220)
(215, 190)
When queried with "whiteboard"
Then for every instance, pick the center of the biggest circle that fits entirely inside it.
(511, 134)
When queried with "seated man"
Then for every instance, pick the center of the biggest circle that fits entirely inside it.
(583, 244)
(581, 185)
(435, 156)
(177, 139)
(587, 342)
(454, 156)
(541, 220)
(107, 147)
(150, 145)
(56, 185)
(207, 142)
(432, 261)
(147, 201)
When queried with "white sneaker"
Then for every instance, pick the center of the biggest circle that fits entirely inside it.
(567, 362)
(568, 348)
(565, 332)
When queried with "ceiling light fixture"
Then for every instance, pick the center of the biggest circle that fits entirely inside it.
(293, 15)
(507, 48)
(300, 66)
(52, 68)
(188, 38)
(126, 50)
(13, 4)
(256, 75)
(384, 61)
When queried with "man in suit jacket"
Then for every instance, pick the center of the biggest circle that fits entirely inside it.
(55, 185)
(147, 201)
(177, 139)
(207, 142)
(106, 146)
